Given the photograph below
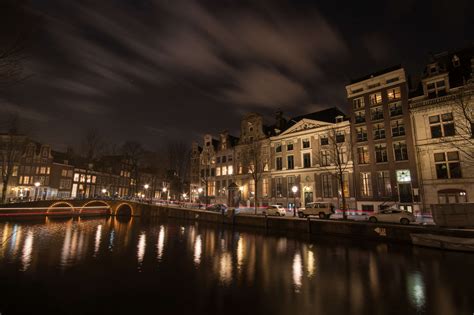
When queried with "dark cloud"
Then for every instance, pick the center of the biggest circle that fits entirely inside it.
(177, 69)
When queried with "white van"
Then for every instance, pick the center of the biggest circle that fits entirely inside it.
(321, 209)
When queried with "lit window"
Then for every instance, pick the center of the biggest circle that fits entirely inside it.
(224, 170)
(363, 155)
(365, 184)
(393, 94)
(375, 98)
(230, 170)
(358, 102)
(218, 171)
(76, 177)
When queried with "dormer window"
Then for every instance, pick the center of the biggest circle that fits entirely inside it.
(433, 69)
(339, 119)
(456, 62)
(436, 89)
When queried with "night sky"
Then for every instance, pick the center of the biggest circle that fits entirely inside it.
(159, 70)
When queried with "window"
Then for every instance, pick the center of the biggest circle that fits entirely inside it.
(291, 162)
(290, 183)
(436, 89)
(324, 140)
(279, 186)
(398, 128)
(230, 170)
(456, 62)
(375, 98)
(326, 185)
(224, 159)
(359, 117)
(289, 147)
(65, 184)
(325, 159)
(392, 80)
(342, 156)
(381, 153)
(307, 160)
(224, 170)
(393, 94)
(218, 171)
(376, 113)
(363, 155)
(396, 109)
(279, 163)
(306, 143)
(278, 148)
(64, 173)
(15, 171)
(384, 187)
(365, 184)
(218, 159)
(361, 134)
(442, 125)
(358, 103)
(447, 165)
(265, 187)
(379, 131)
(229, 158)
(340, 137)
(371, 86)
(401, 151)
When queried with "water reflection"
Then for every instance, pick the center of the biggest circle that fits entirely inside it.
(141, 248)
(27, 250)
(338, 277)
(197, 250)
(161, 243)
(98, 236)
(297, 272)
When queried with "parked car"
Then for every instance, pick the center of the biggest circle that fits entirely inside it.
(275, 210)
(392, 216)
(218, 207)
(321, 209)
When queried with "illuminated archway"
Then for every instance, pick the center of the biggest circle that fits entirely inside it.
(124, 209)
(96, 206)
(61, 207)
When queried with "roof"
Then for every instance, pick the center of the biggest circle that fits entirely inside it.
(377, 73)
(326, 115)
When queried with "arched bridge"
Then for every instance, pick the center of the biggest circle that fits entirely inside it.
(77, 207)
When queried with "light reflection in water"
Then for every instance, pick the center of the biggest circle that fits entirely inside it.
(311, 264)
(225, 270)
(111, 240)
(27, 250)
(197, 250)
(240, 253)
(15, 240)
(98, 236)
(141, 248)
(66, 246)
(416, 290)
(161, 243)
(297, 272)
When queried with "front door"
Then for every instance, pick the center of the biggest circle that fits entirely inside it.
(406, 195)
(308, 197)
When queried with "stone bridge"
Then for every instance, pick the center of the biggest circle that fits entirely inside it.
(78, 207)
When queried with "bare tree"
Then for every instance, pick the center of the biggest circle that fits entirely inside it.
(134, 151)
(206, 173)
(178, 155)
(335, 158)
(12, 146)
(255, 157)
(92, 145)
(463, 111)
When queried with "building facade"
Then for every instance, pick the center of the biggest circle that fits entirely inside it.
(385, 167)
(442, 111)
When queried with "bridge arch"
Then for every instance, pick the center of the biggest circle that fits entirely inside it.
(124, 209)
(97, 203)
(60, 206)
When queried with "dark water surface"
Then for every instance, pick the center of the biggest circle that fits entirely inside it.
(104, 266)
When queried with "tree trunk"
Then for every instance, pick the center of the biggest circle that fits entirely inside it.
(255, 199)
(4, 192)
(341, 184)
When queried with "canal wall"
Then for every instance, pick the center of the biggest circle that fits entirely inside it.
(314, 227)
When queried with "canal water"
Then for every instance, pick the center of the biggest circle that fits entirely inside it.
(107, 266)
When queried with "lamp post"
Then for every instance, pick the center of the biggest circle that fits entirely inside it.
(199, 196)
(146, 186)
(104, 192)
(165, 190)
(37, 185)
(294, 189)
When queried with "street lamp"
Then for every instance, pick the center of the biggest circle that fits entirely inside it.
(294, 189)
(104, 192)
(37, 184)
(146, 186)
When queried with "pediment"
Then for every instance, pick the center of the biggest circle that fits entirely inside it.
(305, 124)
